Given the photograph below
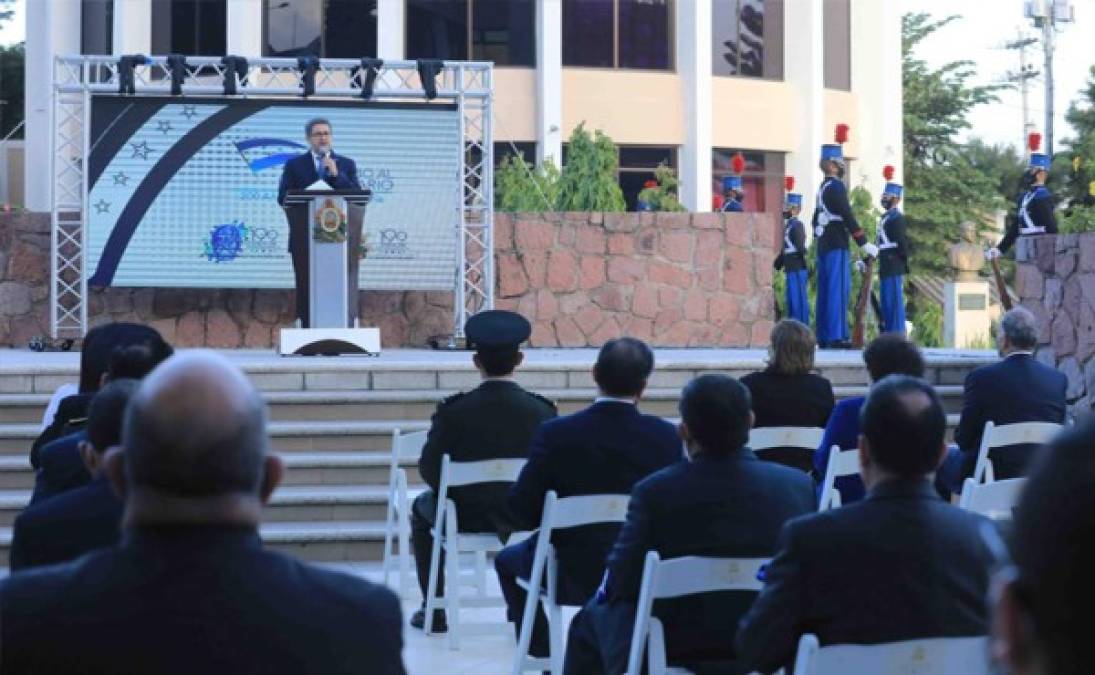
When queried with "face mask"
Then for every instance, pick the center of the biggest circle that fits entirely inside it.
(886, 203)
(787, 213)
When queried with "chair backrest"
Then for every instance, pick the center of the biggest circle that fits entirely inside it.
(764, 438)
(561, 513)
(995, 500)
(676, 577)
(841, 463)
(938, 656)
(407, 447)
(999, 436)
(462, 474)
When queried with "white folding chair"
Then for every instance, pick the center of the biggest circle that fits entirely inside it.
(996, 436)
(841, 463)
(678, 577)
(938, 656)
(806, 439)
(406, 448)
(994, 500)
(542, 584)
(447, 536)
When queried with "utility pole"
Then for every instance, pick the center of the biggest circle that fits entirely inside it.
(1022, 77)
(1046, 14)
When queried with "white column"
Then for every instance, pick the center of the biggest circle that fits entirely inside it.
(876, 82)
(53, 28)
(243, 28)
(803, 70)
(694, 68)
(549, 81)
(391, 29)
(133, 27)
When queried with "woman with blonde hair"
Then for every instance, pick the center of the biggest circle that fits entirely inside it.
(788, 393)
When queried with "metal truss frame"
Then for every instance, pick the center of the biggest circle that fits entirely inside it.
(467, 84)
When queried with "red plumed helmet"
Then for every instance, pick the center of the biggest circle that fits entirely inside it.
(1034, 141)
(737, 163)
(841, 134)
(887, 172)
(789, 183)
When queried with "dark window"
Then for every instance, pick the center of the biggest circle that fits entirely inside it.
(189, 27)
(637, 164)
(762, 179)
(838, 44)
(96, 26)
(502, 31)
(618, 34)
(747, 38)
(326, 28)
(504, 149)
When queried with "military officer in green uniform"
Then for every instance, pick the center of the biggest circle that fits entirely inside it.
(495, 420)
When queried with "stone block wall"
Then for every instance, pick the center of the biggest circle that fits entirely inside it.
(673, 279)
(1055, 279)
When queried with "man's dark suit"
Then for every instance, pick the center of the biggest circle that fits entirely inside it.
(496, 419)
(604, 449)
(60, 468)
(780, 400)
(196, 599)
(71, 415)
(899, 565)
(726, 507)
(67, 526)
(1016, 389)
(297, 174)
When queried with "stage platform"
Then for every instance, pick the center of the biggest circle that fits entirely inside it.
(332, 419)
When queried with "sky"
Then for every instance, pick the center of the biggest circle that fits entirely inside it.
(983, 26)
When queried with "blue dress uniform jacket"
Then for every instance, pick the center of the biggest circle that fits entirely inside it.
(1017, 389)
(900, 565)
(893, 244)
(833, 220)
(604, 449)
(196, 599)
(1033, 215)
(731, 507)
(67, 526)
(792, 257)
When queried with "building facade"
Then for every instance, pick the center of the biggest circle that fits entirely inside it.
(687, 83)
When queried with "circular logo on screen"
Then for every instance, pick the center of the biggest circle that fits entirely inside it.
(330, 223)
(225, 242)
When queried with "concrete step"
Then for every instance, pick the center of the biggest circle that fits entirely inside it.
(418, 404)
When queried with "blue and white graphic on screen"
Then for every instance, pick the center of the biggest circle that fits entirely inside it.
(189, 197)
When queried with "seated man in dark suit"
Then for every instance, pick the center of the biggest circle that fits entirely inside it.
(604, 449)
(61, 466)
(1040, 601)
(1016, 389)
(496, 419)
(98, 346)
(85, 518)
(190, 589)
(723, 503)
(901, 564)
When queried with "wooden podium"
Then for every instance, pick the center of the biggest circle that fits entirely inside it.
(332, 216)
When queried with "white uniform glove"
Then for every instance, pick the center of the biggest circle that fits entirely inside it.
(992, 254)
(860, 266)
(870, 250)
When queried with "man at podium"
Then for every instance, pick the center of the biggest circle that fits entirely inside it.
(299, 173)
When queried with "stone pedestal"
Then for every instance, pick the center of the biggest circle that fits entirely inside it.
(966, 321)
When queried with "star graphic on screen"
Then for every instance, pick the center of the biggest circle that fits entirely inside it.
(120, 178)
(140, 150)
(102, 206)
(189, 111)
(163, 126)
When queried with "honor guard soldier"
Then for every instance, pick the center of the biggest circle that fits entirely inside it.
(1035, 207)
(833, 223)
(893, 256)
(732, 189)
(792, 259)
(495, 420)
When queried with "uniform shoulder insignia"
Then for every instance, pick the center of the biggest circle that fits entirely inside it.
(545, 399)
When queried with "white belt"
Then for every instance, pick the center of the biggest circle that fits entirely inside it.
(1033, 229)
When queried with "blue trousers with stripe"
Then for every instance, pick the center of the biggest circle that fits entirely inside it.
(893, 303)
(798, 305)
(834, 285)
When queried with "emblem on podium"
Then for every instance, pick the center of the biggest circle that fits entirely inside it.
(330, 223)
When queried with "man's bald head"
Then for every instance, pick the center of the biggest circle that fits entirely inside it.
(904, 424)
(196, 427)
